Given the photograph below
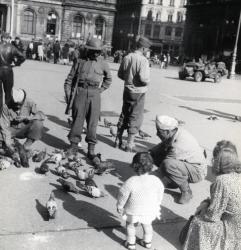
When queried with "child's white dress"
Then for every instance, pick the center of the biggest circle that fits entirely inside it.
(140, 197)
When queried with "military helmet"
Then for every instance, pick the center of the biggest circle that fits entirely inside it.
(94, 44)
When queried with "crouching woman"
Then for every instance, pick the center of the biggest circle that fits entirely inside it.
(217, 223)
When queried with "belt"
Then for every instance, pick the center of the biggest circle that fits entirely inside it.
(86, 85)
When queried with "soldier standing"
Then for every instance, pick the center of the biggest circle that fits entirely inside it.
(88, 78)
(135, 71)
(9, 54)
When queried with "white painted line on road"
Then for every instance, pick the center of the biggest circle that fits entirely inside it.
(27, 176)
(173, 98)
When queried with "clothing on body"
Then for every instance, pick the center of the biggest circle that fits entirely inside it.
(9, 55)
(219, 227)
(92, 77)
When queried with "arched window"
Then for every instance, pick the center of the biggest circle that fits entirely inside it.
(149, 15)
(28, 22)
(99, 27)
(158, 16)
(51, 23)
(178, 32)
(77, 26)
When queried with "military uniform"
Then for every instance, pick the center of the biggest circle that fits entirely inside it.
(8, 54)
(89, 77)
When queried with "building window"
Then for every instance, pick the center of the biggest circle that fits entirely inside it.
(158, 16)
(51, 23)
(77, 26)
(169, 18)
(148, 30)
(28, 22)
(179, 17)
(172, 2)
(151, 1)
(156, 31)
(168, 31)
(178, 32)
(149, 15)
(100, 27)
(160, 2)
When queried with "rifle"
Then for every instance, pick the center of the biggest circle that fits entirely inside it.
(71, 99)
(73, 90)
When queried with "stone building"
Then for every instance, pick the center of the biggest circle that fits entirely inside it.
(76, 20)
(162, 21)
(211, 28)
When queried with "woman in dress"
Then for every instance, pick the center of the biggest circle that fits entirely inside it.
(217, 223)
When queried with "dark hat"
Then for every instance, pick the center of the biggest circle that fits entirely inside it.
(94, 44)
(144, 42)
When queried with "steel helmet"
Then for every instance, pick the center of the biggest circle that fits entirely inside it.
(94, 44)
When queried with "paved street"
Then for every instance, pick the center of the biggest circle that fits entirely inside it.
(86, 223)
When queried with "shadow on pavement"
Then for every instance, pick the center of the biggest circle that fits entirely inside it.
(121, 170)
(210, 176)
(212, 112)
(58, 121)
(42, 210)
(53, 141)
(113, 190)
(175, 223)
(93, 215)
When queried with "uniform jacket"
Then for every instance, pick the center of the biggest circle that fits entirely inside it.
(10, 54)
(135, 71)
(92, 72)
(8, 117)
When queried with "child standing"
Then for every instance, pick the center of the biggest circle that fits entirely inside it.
(139, 200)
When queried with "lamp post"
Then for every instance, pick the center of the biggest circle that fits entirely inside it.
(12, 18)
(131, 35)
(233, 63)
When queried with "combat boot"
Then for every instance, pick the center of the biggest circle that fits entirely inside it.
(186, 193)
(72, 150)
(91, 151)
(130, 147)
(118, 139)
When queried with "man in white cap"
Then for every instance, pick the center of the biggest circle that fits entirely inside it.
(179, 157)
(21, 120)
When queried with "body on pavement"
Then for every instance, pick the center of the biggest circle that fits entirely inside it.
(217, 223)
(88, 78)
(179, 157)
(139, 200)
(135, 72)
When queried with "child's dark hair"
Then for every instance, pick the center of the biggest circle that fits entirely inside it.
(142, 161)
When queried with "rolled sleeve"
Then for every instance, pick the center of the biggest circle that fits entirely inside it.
(107, 79)
(144, 72)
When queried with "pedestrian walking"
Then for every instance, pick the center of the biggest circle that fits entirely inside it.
(29, 51)
(65, 53)
(56, 51)
(139, 200)
(135, 72)
(40, 51)
(179, 158)
(88, 78)
(9, 55)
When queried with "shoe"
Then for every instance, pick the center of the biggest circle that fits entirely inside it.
(129, 246)
(145, 244)
(72, 150)
(130, 148)
(186, 194)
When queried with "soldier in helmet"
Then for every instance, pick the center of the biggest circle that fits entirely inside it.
(9, 55)
(88, 78)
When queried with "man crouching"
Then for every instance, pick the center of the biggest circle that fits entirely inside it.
(21, 120)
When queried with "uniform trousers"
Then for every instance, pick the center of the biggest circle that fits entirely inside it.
(173, 171)
(86, 106)
(131, 117)
(6, 77)
(31, 130)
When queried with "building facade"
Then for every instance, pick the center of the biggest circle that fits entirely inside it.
(76, 20)
(162, 21)
(211, 28)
